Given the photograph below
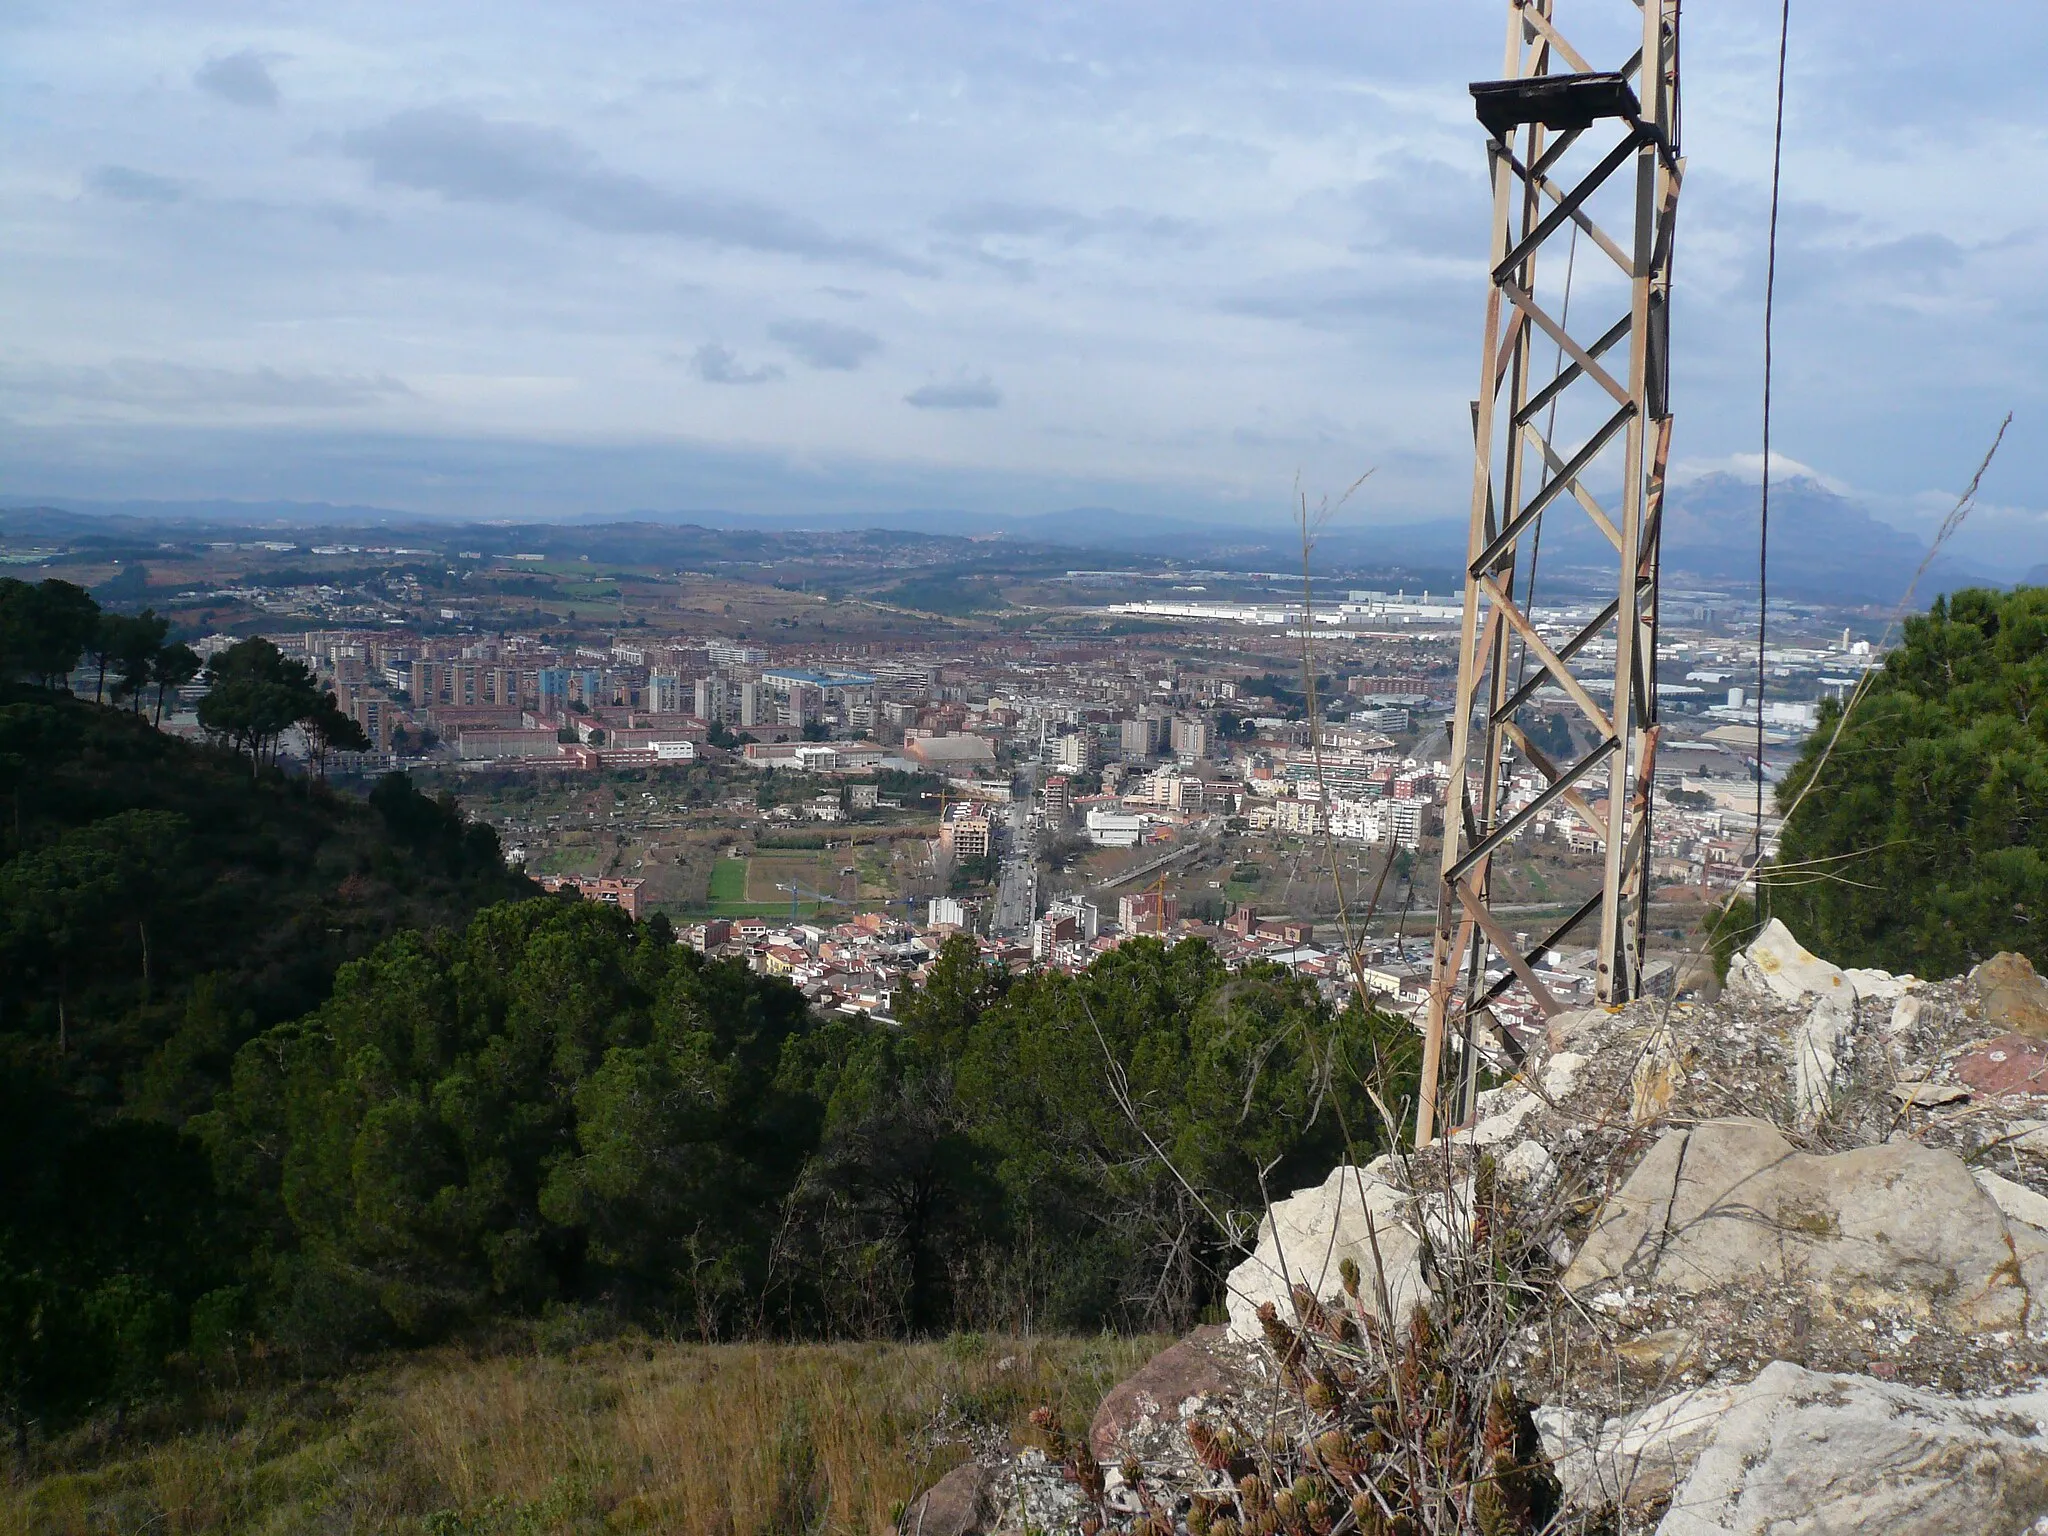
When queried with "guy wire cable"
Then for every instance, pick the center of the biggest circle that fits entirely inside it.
(1763, 541)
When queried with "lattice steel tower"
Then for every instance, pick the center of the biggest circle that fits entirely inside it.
(1572, 425)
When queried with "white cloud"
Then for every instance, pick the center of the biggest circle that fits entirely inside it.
(1749, 467)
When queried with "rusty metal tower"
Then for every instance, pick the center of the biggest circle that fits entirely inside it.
(1573, 425)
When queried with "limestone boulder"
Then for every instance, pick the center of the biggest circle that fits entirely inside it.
(1776, 963)
(1356, 1213)
(1733, 1204)
(1881, 985)
(1828, 1455)
(1634, 1460)
(1821, 1048)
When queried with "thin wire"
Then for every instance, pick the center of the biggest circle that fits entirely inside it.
(1763, 539)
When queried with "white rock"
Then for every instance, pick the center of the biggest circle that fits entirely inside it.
(1820, 1049)
(1733, 1203)
(2018, 1202)
(1528, 1167)
(2027, 1135)
(1881, 985)
(1498, 1101)
(1775, 962)
(1828, 1455)
(1445, 1217)
(1505, 1126)
(1306, 1237)
(1561, 1075)
(1574, 1024)
(1905, 1016)
(1635, 1459)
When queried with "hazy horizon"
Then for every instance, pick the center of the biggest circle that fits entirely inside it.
(815, 261)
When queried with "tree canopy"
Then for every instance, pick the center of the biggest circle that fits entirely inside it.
(555, 1106)
(44, 629)
(1921, 841)
(158, 909)
(254, 694)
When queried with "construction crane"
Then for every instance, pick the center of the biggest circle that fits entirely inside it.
(1572, 424)
(909, 904)
(797, 891)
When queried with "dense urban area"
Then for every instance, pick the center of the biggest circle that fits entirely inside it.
(799, 765)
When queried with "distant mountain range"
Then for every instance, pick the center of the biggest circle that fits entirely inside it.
(1823, 546)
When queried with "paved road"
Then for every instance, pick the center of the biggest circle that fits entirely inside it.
(1017, 889)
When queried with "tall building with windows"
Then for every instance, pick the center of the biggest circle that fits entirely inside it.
(757, 706)
(664, 694)
(1076, 753)
(1059, 799)
(712, 699)
(1190, 737)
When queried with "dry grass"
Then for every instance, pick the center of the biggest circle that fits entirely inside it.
(632, 1435)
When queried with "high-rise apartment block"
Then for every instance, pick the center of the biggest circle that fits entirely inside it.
(1059, 799)
(712, 699)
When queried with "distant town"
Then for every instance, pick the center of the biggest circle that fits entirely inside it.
(828, 754)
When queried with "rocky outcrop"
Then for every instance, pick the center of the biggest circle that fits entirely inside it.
(1779, 1264)
(1142, 1416)
(1634, 1460)
(1360, 1215)
(2012, 996)
(956, 1505)
(1778, 964)
(1837, 1455)
(1733, 1204)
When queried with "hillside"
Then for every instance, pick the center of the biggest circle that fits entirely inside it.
(151, 888)
(288, 1075)
(550, 1431)
(159, 906)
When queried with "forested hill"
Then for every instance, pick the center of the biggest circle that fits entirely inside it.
(159, 905)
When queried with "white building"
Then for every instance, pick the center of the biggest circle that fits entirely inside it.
(1115, 829)
(1082, 911)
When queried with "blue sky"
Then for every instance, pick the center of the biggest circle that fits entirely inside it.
(521, 259)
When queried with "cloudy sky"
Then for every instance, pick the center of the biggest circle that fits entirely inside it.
(520, 259)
